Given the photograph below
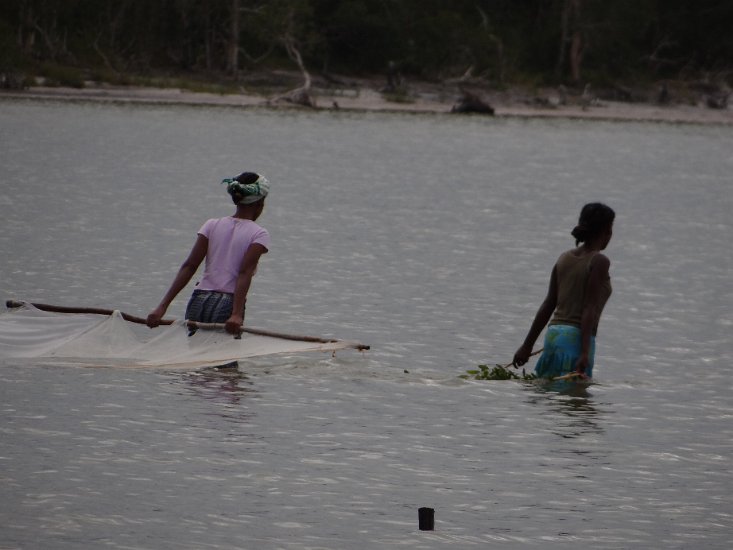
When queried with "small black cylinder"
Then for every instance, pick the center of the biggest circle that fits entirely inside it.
(426, 519)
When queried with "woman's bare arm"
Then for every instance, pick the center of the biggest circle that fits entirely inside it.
(186, 271)
(599, 268)
(244, 280)
(542, 317)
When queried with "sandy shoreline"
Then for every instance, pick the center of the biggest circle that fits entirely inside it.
(370, 99)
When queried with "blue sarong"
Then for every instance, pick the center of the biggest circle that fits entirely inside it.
(561, 351)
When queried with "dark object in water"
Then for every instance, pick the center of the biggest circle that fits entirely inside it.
(426, 519)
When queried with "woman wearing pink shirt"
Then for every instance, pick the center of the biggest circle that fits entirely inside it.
(232, 247)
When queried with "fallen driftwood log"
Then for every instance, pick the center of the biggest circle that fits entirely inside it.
(472, 103)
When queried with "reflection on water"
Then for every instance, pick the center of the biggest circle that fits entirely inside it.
(572, 406)
(228, 385)
(429, 238)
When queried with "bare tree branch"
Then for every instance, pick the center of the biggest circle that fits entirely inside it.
(301, 95)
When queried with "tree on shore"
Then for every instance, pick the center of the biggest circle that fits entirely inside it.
(499, 41)
(572, 40)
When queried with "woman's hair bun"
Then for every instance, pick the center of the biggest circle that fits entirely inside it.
(247, 188)
(247, 177)
(595, 217)
(580, 232)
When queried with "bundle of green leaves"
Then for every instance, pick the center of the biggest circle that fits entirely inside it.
(499, 372)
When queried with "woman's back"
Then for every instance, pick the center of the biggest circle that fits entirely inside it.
(573, 269)
(228, 240)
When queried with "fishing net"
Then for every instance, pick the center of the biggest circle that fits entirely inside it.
(27, 332)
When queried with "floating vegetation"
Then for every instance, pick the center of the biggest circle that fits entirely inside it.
(499, 372)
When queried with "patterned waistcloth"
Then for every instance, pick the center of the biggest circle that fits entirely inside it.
(561, 351)
(208, 306)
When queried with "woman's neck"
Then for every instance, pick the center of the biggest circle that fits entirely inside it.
(245, 213)
(591, 247)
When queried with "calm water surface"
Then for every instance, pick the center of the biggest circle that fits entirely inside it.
(431, 238)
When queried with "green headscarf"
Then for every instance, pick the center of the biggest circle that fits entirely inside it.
(249, 192)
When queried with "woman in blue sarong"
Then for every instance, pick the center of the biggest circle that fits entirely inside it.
(579, 288)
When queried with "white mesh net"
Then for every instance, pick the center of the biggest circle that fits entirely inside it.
(109, 340)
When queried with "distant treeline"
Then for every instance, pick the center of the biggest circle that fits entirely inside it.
(500, 41)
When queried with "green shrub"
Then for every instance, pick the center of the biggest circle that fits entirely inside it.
(59, 75)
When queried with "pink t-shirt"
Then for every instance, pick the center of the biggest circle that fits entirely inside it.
(229, 238)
